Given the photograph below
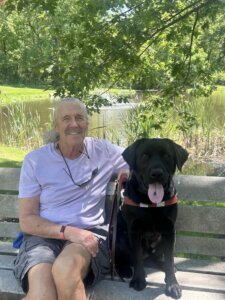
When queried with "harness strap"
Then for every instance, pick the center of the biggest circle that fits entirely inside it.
(113, 229)
(169, 202)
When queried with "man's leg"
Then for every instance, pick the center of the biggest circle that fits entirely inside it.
(69, 270)
(41, 283)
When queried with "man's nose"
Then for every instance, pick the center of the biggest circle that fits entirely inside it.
(74, 122)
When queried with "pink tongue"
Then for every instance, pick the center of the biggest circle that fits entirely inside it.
(155, 192)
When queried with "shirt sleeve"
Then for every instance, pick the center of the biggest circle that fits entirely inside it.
(115, 157)
(28, 184)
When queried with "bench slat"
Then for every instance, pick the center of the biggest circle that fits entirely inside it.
(200, 265)
(9, 206)
(200, 245)
(204, 219)
(6, 247)
(107, 290)
(205, 282)
(184, 244)
(7, 262)
(204, 188)
(9, 178)
(182, 264)
(9, 229)
(8, 283)
(194, 285)
(201, 219)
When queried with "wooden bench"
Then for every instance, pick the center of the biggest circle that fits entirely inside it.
(200, 234)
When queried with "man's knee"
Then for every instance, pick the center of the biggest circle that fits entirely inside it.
(41, 283)
(71, 266)
(64, 267)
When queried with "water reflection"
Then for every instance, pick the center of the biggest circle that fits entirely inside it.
(109, 124)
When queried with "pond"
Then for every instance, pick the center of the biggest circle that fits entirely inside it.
(109, 124)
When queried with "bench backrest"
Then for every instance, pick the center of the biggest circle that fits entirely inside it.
(200, 223)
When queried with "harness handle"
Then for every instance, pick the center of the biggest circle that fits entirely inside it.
(120, 183)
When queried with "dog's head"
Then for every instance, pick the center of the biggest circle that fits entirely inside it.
(154, 161)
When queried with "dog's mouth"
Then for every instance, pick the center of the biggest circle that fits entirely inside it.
(155, 192)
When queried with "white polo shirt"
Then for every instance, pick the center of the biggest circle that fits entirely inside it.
(45, 174)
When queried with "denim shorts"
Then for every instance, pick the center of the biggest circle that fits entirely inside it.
(35, 250)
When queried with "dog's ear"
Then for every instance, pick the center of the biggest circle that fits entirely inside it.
(129, 153)
(181, 155)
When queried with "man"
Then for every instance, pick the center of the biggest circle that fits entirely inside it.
(61, 209)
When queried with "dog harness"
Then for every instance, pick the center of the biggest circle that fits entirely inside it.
(128, 201)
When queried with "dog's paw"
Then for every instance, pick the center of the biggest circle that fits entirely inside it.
(173, 290)
(138, 284)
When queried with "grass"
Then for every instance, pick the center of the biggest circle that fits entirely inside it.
(11, 157)
(220, 89)
(10, 94)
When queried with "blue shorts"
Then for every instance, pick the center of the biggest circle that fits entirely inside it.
(35, 250)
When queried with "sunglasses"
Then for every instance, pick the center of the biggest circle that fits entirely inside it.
(68, 172)
(93, 174)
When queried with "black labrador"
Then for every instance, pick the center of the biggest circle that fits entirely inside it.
(150, 208)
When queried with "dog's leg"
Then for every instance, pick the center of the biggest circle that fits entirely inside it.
(138, 281)
(123, 257)
(172, 287)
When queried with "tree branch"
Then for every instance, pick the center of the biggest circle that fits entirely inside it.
(167, 25)
(190, 48)
(174, 21)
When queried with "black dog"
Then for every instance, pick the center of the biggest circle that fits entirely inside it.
(150, 209)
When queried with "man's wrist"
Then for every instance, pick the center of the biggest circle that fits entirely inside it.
(62, 232)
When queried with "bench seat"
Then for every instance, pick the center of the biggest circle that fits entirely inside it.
(199, 280)
(200, 234)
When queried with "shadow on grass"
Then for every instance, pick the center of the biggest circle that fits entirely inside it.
(6, 163)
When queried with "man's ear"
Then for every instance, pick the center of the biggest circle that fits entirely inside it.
(130, 152)
(181, 155)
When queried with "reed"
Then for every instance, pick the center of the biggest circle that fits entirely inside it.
(21, 128)
(205, 139)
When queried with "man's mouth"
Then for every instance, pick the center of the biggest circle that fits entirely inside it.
(72, 133)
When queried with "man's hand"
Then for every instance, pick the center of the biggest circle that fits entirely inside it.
(83, 237)
(122, 177)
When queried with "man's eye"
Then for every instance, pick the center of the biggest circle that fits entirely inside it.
(66, 118)
(79, 118)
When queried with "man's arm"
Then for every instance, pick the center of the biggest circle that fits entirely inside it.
(32, 223)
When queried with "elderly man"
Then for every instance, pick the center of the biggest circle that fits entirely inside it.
(61, 209)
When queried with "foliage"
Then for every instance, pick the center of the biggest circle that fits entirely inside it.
(76, 46)
(152, 116)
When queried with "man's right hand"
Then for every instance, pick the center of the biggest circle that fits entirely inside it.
(83, 237)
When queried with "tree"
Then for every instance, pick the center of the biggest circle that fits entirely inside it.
(79, 45)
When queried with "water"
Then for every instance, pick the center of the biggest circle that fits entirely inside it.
(109, 124)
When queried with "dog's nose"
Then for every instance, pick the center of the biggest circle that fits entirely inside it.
(156, 174)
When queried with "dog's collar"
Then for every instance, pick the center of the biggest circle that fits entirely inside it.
(169, 202)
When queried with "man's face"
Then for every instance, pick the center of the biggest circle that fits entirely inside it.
(71, 123)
